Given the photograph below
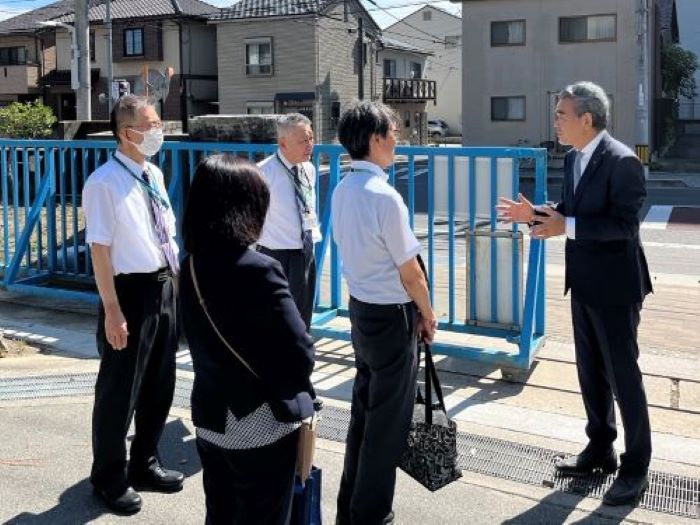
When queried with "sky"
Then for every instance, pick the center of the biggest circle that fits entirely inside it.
(385, 12)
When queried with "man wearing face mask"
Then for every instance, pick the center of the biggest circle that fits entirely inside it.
(130, 229)
(291, 226)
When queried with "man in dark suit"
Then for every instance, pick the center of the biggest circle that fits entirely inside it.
(606, 271)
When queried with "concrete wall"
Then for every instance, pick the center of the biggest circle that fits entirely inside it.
(445, 66)
(543, 66)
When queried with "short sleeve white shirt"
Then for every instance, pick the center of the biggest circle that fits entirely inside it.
(282, 228)
(118, 214)
(371, 229)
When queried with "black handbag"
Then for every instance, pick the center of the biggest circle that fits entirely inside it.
(431, 455)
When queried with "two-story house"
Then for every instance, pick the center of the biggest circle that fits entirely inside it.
(146, 33)
(440, 33)
(523, 52)
(405, 89)
(25, 56)
(279, 56)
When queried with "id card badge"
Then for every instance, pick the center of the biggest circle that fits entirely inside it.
(310, 222)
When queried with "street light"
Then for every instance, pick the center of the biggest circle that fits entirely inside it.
(74, 79)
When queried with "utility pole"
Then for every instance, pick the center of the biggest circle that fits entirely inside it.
(361, 55)
(110, 72)
(82, 34)
(642, 84)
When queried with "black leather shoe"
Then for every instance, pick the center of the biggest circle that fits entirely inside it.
(586, 462)
(318, 404)
(129, 502)
(626, 490)
(155, 477)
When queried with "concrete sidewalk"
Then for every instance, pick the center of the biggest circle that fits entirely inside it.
(44, 444)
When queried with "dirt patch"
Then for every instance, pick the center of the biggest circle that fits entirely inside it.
(14, 348)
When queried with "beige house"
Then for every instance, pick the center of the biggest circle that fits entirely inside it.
(522, 52)
(279, 56)
(440, 33)
(25, 56)
(153, 33)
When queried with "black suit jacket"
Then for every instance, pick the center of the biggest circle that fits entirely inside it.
(247, 295)
(605, 264)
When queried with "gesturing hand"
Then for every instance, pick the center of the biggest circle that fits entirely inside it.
(115, 328)
(521, 210)
(551, 224)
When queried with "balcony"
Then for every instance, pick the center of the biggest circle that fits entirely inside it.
(409, 90)
(19, 79)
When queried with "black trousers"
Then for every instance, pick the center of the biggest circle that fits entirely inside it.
(249, 487)
(137, 381)
(300, 268)
(383, 396)
(606, 360)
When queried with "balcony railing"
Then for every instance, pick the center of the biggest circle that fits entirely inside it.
(409, 89)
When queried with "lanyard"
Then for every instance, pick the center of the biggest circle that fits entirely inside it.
(153, 192)
(297, 188)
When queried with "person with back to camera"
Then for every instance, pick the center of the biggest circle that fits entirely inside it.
(251, 354)
(389, 306)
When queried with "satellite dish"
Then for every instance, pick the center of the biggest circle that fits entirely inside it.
(153, 84)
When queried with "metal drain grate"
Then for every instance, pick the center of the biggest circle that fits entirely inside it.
(667, 493)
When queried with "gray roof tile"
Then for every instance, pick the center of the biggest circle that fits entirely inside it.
(27, 22)
(268, 8)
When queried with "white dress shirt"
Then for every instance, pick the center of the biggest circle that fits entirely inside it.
(118, 214)
(282, 228)
(371, 229)
(586, 154)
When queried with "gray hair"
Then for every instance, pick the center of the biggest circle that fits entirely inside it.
(125, 112)
(289, 121)
(589, 98)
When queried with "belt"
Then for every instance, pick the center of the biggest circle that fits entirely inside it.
(160, 276)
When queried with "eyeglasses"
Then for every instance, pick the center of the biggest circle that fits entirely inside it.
(150, 125)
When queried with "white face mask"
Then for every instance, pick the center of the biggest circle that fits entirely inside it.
(151, 143)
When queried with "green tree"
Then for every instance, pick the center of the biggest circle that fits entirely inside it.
(678, 66)
(30, 120)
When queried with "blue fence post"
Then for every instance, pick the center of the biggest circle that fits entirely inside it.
(5, 206)
(541, 196)
(336, 285)
(451, 219)
(431, 226)
(51, 244)
(494, 240)
(515, 180)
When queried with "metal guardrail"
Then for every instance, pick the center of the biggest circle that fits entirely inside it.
(475, 264)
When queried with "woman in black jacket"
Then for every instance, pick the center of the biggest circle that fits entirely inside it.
(252, 382)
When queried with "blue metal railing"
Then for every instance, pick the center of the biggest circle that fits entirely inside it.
(475, 264)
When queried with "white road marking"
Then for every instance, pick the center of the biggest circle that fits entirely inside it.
(657, 218)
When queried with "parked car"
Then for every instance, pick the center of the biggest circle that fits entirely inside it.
(437, 128)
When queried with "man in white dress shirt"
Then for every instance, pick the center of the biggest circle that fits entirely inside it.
(291, 226)
(130, 229)
(389, 308)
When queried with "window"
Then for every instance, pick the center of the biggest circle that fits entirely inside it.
(389, 68)
(508, 33)
(92, 46)
(414, 70)
(133, 42)
(588, 28)
(260, 108)
(452, 42)
(427, 16)
(13, 56)
(335, 114)
(507, 108)
(258, 57)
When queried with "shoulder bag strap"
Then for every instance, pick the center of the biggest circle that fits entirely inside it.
(211, 321)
